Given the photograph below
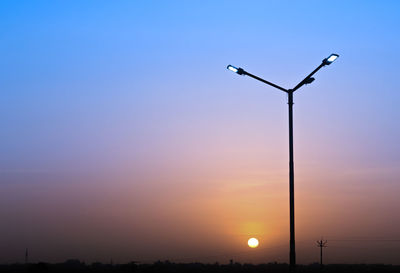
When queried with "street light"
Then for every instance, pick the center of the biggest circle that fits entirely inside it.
(239, 70)
(307, 80)
(330, 59)
(232, 68)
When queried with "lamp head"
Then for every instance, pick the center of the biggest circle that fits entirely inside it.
(239, 70)
(330, 59)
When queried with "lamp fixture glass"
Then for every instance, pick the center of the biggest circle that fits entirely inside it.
(232, 68)
(331, 59)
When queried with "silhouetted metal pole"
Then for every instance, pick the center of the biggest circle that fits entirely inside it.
(306, 80)
(321, 244)
(291, 183)
(320, 258)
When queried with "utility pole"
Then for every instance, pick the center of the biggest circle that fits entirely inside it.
(26, 256)
(321, 244)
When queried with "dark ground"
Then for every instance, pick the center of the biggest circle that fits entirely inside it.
(168, 267)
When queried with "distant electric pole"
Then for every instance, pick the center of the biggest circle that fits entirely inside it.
(321, 244)
(26, 256)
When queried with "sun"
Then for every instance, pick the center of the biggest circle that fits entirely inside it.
(252, 242)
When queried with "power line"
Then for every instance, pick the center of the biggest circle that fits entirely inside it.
(366, 240)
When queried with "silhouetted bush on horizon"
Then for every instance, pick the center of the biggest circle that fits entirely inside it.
(71, 266)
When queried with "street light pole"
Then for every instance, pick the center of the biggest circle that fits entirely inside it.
(292, 253)
(307, 80)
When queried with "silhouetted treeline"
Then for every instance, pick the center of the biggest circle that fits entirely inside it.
(72, 266)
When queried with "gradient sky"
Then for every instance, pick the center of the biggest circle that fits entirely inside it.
(124, 137)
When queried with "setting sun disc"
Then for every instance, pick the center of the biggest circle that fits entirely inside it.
(252, 242)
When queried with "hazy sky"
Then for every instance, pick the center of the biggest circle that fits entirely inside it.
(124, 136)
